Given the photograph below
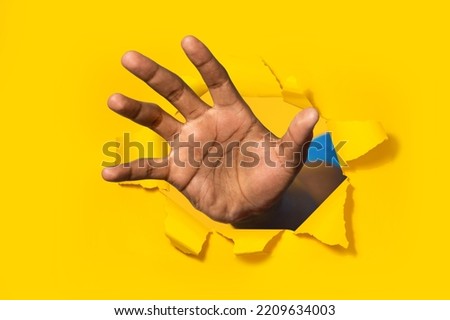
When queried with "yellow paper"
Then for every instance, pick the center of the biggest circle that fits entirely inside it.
(327, 223)
(359, 137)
(196, 84)
(250, 241)
(291, 93)
(71, 235)
(143, 143)
(186, 233)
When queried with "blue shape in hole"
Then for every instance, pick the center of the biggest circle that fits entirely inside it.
(322, 149)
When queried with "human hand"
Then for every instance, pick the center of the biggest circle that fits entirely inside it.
(251, 168)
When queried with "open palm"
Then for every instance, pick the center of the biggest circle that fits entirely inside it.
(222, 158)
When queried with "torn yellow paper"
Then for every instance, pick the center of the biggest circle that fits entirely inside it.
(187, 217)
(265, 108)
(188, 228)
(359, 137)
(296, 99)
(183, 220)
(290, 90)
(174, 195)
(247, 241)
(185, 232)
(291, 94)
(147, 184)
(251, 241)
(256, 81)
(327, 223)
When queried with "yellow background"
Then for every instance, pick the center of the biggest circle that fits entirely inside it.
(65, 233)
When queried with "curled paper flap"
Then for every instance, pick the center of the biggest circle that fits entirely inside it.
(185, 232)
(359, 137)
(327, 223)
(248, 241)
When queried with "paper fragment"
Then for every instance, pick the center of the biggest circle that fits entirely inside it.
(185, 232)
(256, 81)
(359, 137)
(184, 216)
(183, 220)
(327, 223)
(147, 184)
(292, 94)
(274, 113)
(253, 241)
(248, 241)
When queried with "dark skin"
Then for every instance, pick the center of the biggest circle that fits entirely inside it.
(224, 193)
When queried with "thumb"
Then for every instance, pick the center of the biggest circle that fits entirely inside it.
(299, 134)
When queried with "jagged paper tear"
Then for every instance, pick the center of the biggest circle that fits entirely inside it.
(249, 241)
(185, 232)
(359, 137)
(188, 228)
(327, 223)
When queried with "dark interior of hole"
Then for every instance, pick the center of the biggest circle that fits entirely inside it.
(315, 182)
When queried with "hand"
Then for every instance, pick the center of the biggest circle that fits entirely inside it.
(251, 168)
